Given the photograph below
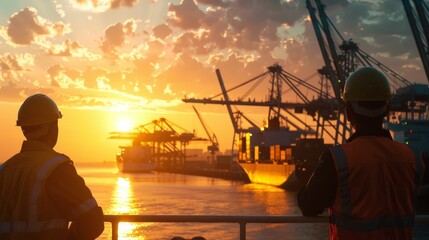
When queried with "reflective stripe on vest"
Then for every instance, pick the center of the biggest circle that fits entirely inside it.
(41, 177)
(367, 225)
(84, 207)
(6, 227)
(33, 225)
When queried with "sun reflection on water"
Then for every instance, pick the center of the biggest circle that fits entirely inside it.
(123, 203)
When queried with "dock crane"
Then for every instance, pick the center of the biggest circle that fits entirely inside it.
(166, 140)
(214, 147)
(420, 28)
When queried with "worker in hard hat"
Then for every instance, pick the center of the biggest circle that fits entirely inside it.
(369, 183)
(40, 190)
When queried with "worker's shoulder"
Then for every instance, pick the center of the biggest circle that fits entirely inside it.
(62, 156)
(63, 167)
(59, 162)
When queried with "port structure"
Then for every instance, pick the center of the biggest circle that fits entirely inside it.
(287, 107)
(166, 140)
(409, 110)
(409, 106)
(214, 147)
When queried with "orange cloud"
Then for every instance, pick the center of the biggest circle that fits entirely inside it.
(162, 31)
(186, 15)
(125, 3)
(25, 26)
(114, 35)
(65, 49)
(13, 66)
(102, 5)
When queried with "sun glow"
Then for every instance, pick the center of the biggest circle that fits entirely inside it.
(124, 125)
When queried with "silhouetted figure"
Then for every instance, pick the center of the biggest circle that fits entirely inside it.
(370, 182)
(40, 190)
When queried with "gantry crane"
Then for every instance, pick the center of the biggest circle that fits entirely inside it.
(167, 144)
(419, 23)
(214, 147)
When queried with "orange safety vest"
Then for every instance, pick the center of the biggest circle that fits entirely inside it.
(26, 212)
(377, 187)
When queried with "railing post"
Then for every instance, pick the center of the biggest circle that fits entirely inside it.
(242, 230)
(115, 230)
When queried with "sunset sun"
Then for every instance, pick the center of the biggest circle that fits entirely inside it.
(124, 125)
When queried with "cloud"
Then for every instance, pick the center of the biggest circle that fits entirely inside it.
(25, 26)
(13, 66)
(60, 28)
(217, 3)
(246, 25)
(185, 15)
(102, 5)
(64, 78)
(162, 31)
(65, 49)
(125, 3)
(59, 8)
(114, 35)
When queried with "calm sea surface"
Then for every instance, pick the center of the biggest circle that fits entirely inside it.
(164, 193)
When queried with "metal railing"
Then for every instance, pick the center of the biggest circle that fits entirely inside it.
(241, 220)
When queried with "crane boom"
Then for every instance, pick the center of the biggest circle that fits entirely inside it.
(225, 95)
(323, 49)
(419, 38)
(204, 125)
(331, 43)
(214, 147)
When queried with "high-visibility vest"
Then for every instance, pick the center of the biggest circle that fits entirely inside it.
(26, 212)
(378, 180)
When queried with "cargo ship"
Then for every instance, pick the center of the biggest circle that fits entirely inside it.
(285, 150)
(278, 156)
(135, 159)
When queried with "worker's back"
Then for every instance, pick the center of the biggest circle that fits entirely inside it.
(25, 208)
(376, 190)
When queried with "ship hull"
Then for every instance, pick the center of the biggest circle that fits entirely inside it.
(135, 166)
(271, 174)
(135, 159)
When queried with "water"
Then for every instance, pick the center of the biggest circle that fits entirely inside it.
(172, 194)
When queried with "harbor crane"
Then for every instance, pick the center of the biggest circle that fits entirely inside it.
(214, 147)
(167, 141)
(419, 24)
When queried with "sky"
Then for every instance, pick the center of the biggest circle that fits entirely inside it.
(115, 64)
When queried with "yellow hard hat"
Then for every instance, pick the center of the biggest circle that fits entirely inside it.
(366, 84)
(36, 110)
